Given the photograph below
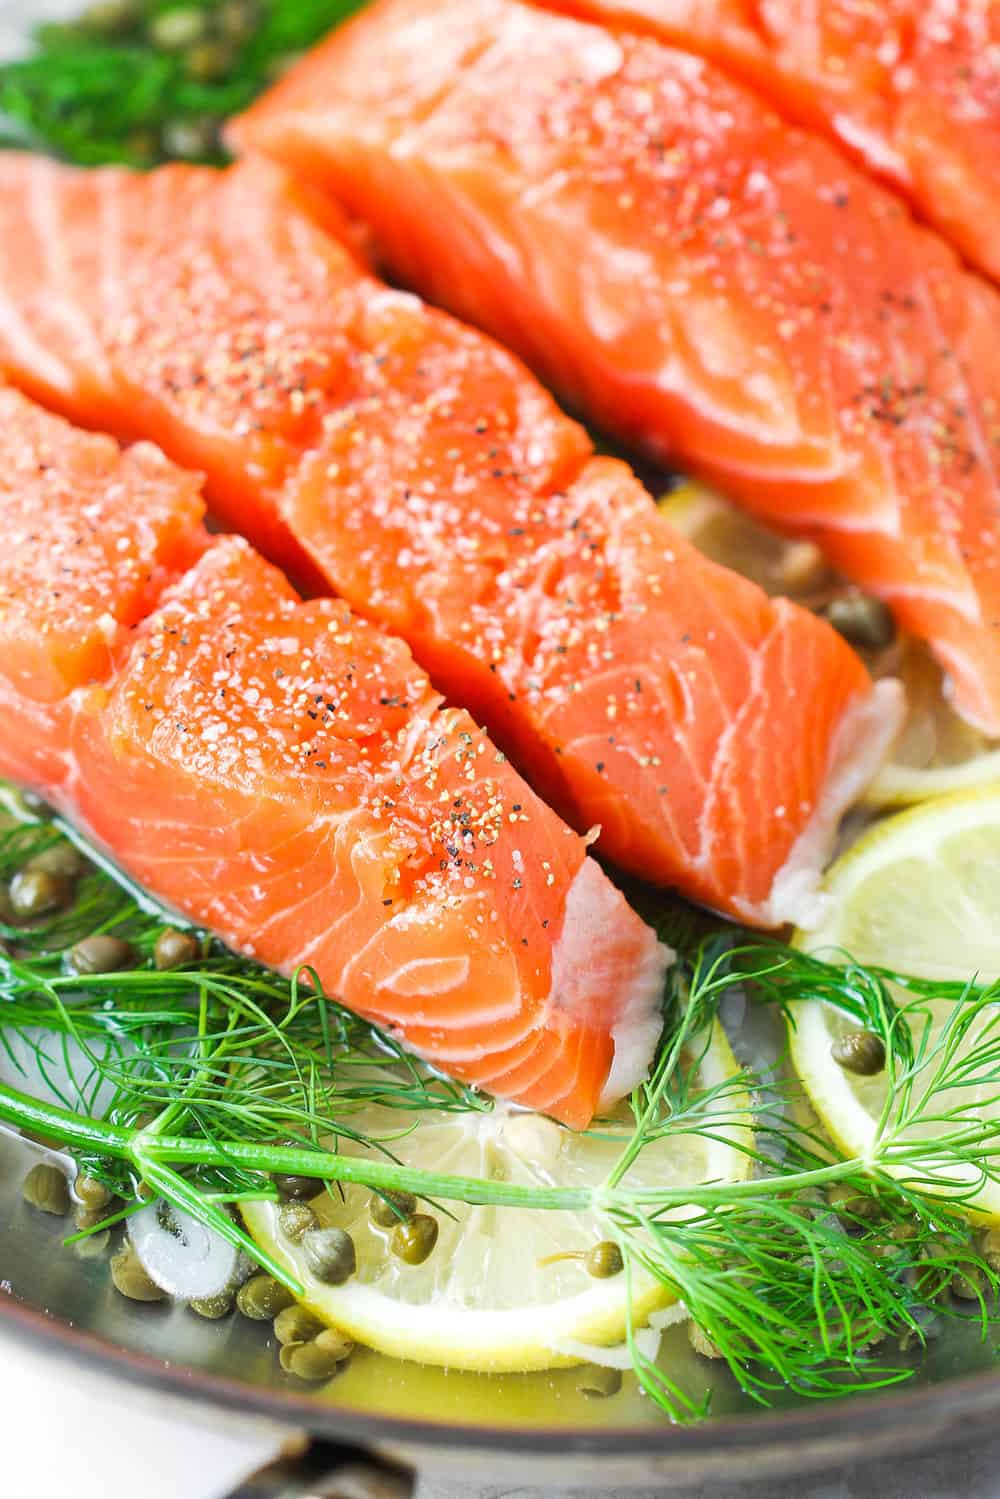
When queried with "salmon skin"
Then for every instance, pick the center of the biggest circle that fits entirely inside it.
(911, 88)
(283, 773)
(699, 277)
(713, 736)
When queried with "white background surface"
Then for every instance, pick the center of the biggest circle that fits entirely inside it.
(65, 1438)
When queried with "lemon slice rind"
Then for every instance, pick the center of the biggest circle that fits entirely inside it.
(464, 1333)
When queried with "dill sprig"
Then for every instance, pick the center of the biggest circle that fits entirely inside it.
(204, 1083)
(100, 91)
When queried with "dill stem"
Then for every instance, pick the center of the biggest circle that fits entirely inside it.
(144, 1146)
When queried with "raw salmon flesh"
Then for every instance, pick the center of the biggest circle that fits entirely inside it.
(283, 773)
(911, 88)
(691, 272)
(377, 448)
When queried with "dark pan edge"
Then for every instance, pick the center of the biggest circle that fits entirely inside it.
(790, 1441)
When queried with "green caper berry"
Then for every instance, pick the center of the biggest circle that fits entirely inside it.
(86, 1218)
(262, 1298)
(174, 949)
(173, 30)
(46, 1187)
(900, 1233)
(213, 1307)
(62, 859)
(111, 17)
(130, 1279)
(969, 1283)
(701, 1343)
(330, 1255)
(296, 1325)
(191, 140)
(864, 622)
(598, 1382)
(207, 62)
(604, 1260)
(93, 1194)
(296, 1188)
(93, 1246)
(36, 892)
(989, 1248)
(318, 1359)
(413, 1241)
(389, 1208)
(296, 1218)
(143, 145)
(101, 953)
(848, 1202)
(237, 20)
(860, 1052)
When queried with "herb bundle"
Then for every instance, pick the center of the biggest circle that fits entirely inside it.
(143, 81)
(203, 1083)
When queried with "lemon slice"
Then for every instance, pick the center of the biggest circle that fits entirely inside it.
(484, 1299)
(936, 752)
(920, 894)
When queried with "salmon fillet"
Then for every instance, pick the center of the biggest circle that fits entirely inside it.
(911, 88)
(284, 774)
(714, 736)
(692, 273)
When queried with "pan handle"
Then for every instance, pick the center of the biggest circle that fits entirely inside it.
(326, 1471)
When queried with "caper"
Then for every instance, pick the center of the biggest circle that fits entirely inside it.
(173, 949)
(62, 859)
(207, 62)
(989, 1248)
(36, 892)
(101, 953)
(330, 1254)
(386, 1209)
(129, 1277)
(93, 1194)
(860, 1052)
(296, 1188)
(46, 1187)
(143, 145)
(236, 20)
(87, 1218)
(29, 805)
(969, 1283)
(173, 30)
(296, 1325)
(863, 621)
(262, 1298)
(848, 1202)
(296, 1218)
(701, 1342)
(191, 140)
(213, 1307)
(318, 1359)
(93, 1246)
(604, 1260)
(596, 1380)
(414, 1241)
(111, 17)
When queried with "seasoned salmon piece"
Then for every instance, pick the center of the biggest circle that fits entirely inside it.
(710, 736)
(91, 536)
(698, 277)
(284, 774)
(911, 88)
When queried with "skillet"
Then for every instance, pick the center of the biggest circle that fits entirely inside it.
(382, 1420)
(368, 1432)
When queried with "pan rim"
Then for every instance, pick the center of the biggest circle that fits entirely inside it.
(965, 1396)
